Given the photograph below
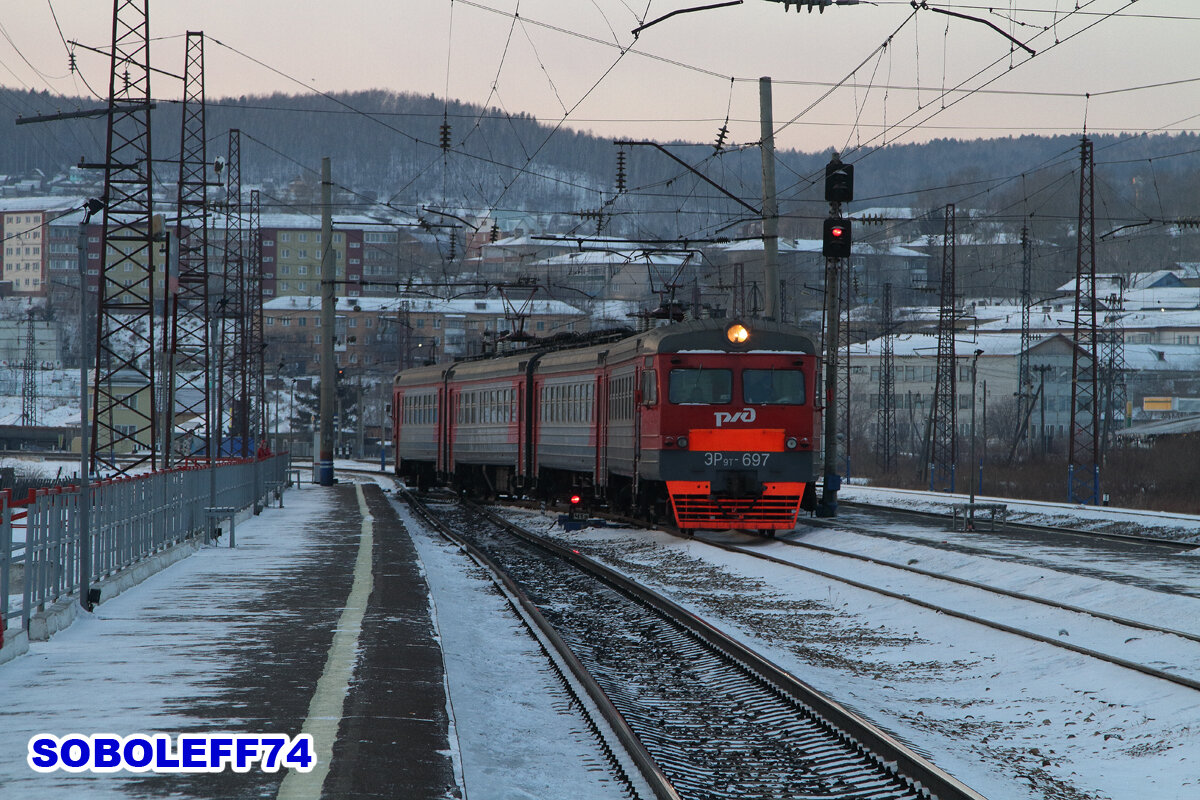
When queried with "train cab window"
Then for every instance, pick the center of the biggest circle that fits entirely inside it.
(649, 388)
(773, 387)
(702, 386)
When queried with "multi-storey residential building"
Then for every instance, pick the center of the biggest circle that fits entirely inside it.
(382, 334)
(292, 250)
(25, 227)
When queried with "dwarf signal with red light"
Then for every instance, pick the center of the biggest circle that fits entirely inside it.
(576, 512)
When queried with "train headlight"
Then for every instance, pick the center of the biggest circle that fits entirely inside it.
(737, 334)
(791, 443)
(682, 442)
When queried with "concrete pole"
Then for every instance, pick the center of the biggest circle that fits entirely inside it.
(770, 205)
(328, 327)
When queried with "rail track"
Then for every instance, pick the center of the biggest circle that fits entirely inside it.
(1085, 534)
(695, 709)
(1138, 645)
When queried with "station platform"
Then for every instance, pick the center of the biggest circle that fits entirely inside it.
(318, 622)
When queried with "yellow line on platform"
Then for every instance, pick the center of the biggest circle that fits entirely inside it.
(325, 710)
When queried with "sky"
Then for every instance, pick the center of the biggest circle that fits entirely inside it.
(879, 68)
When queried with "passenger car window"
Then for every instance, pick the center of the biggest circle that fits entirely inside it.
(773, 386)
(649, 388)
(700, 386)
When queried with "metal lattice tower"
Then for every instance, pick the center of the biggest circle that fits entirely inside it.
(190, 307)
(1112, 367)
(885, 441)
(846, 287)
(256, 344)
(739, 291)
(233, 376)
(1083, 470)
(124, 394)
(944, 432)
(29, 415)
(1024, 375)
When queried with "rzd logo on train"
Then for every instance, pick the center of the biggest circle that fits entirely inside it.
(745, 415)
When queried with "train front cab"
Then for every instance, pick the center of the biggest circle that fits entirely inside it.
(735, 435)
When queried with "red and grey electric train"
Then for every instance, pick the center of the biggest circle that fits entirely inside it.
(709, 424)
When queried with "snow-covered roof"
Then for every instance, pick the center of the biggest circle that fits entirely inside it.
(38, 204)
(599, 257)
(815, 246)
(1163, 297)
(1162, 357)
(433, 305)
(1157, 318)
(965, 345)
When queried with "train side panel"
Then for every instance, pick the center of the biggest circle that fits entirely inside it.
(484, 452)
(565, 387)
(417, 421)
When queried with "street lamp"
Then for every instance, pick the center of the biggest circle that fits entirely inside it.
(292, 415)
(970, 476)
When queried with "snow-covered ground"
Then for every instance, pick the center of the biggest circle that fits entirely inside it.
(497, 674)
(134, 665)
(147, 659)
(1015, 720)
(1182, 527)
(1011, 718)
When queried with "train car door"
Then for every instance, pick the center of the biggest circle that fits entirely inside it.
(637, 434)
(444, 428)
(600, 409)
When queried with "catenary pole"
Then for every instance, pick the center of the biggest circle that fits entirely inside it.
(328, 326)
(770, 205)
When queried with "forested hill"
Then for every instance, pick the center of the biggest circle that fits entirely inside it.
(386, 145)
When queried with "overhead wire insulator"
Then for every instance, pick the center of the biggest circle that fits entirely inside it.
(495, 234)
(620, 171)
(71, 65)
(444, 134)
(453, 247)
(721, 134)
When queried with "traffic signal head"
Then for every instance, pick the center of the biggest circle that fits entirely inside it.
(839, 182)
(835, 242)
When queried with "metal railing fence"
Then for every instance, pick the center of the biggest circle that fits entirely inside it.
(131, 518)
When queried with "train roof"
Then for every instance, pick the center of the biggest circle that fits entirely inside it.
(421, 376)
(710, 335)
(697, 336)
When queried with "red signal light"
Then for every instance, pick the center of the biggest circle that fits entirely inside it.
(836, 238)
(576, 499)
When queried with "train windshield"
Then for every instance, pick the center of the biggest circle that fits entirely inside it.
(773, 386)
(707, 386)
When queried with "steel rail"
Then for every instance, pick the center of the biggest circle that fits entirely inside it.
(1129, 623)
(658, 782)
(1000, 626)
(1025, 526)
(856, 731)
